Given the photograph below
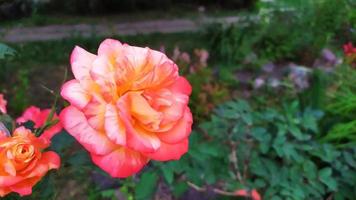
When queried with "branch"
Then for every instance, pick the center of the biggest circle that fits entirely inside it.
(216, 190)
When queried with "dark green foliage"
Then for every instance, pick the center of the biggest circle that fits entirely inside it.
(272, 150)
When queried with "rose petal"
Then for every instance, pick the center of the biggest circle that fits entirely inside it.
(181, 85)
(49, 160)
(168, 152)
(4, 191)
(9, 180)
(73, 92)
(141, 110)
(120, 163)
(138, 138)
(30, 114)
(180, 131)
(81, 62)
(25, 187)
(110, 47)
(49, 133)
(77, 125)
(114, 127)
(95, 114)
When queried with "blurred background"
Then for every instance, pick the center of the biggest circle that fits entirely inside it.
(274, 93)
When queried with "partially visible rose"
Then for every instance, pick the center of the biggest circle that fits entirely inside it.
(127, 105)
(244, 193)
(349, 49)
(23, 162)
(39, 117)
(350, 52)
(3, 104)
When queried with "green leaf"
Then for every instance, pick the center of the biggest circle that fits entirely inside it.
(259, 183)
(349, 159)
(147, 186)
(6, 51)
(179, 189)
(326, 178)
(310, 169)
(167, 173)
(295, 131)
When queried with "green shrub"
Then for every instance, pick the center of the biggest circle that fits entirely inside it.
(272, 150)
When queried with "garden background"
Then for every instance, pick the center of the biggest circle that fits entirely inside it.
(273, 102)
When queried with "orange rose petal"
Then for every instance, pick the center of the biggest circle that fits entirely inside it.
(4, 191)
(52, 159)
(9, 167)
(25, 187)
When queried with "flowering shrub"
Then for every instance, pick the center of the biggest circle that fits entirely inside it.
(127, 105)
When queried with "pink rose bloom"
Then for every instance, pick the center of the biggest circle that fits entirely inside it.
(3, 104)
(39, 117)
(127, 105)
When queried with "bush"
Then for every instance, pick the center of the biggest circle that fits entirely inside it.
(273, 150)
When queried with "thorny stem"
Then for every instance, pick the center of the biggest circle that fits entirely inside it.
(235, 162)
(216, 190)
(247, 161)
